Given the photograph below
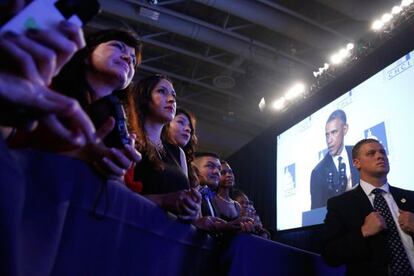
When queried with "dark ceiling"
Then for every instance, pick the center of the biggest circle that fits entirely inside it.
(225, 55)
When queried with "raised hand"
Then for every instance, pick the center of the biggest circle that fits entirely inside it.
(406, 221)
(373, 224)
(110, 162)
(23, 101)
(38, 55)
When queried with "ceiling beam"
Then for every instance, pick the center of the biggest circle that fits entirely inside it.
(253, 126)
(189, 80)
(148, 40)
(193, 55)
(251, 43)
(305, 19)
(216, 110)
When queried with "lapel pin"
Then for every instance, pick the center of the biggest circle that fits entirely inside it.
(403, 200)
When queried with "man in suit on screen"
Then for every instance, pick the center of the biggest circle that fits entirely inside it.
(335, 173)
(370, 228)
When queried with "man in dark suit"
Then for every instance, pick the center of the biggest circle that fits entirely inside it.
(335, 173)
(370, 228)
(208, 167)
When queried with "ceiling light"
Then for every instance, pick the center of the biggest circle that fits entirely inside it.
(396, 10)
(343, 53)
(405, 3)
(295, 91)
(336, 59)
(279, 104)
(350, 46)
(386, 17)
(326, 66)
(262, 104)
(377, 25)
(316, 74)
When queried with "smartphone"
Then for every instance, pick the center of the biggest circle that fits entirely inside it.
(46, 14)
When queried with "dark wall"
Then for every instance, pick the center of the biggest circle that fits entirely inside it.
(255, 171)
(255, 163)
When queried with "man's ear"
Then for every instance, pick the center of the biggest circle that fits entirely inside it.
(356, 163)
(345, 126)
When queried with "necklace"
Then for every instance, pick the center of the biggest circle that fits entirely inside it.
(229, 201)
(159, 147)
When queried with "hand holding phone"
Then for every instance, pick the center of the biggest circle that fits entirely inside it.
(34, 57)
(41, 38)
(47, 14)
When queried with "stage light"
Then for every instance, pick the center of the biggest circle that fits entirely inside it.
(350, 46)
(406, 3)
(279, 104)
(385, 24)
(377, 25)
(295, 91)
(336, 59)
(396, 10)
(262, 104)
(386, 17)
(343, 53)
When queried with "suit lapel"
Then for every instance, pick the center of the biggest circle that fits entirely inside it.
(362, 201)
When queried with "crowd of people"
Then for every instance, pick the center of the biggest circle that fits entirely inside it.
(74, 95)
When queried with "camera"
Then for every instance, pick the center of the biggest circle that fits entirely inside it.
(100, 111)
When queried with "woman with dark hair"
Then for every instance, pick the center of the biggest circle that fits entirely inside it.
(227, 208)
(105, 67)
(181, 132)
(248, 210)
(162, 174)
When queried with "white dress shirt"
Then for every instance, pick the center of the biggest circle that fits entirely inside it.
(345, 160)
(405, 238)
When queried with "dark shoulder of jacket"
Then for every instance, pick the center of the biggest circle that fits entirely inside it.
(323, 163)
(400, 190)
(342, 197)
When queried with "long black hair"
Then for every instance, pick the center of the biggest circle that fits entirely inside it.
(138, 109)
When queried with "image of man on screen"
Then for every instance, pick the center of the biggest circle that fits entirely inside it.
(335, 173)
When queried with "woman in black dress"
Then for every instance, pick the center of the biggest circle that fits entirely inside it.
(181, 131)
(162, 173)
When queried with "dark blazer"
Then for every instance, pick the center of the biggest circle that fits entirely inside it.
(207, 195)
(205, 210)
(343, 242)
(325, 175)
